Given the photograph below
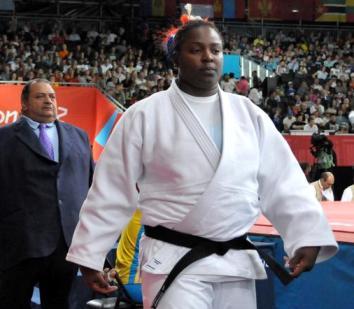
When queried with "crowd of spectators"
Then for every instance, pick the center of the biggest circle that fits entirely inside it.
(315, 73)
(314, 78)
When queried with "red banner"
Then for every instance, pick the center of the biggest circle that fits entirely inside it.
(343, 145)
(200, 2)
(282, 9)
(84, 107)
(240, 9)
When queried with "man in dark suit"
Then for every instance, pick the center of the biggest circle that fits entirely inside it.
(45, 173)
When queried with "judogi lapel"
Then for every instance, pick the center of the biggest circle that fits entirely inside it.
(213, 215)
(202, 138)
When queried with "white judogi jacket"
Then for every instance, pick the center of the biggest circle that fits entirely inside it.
(187, 184)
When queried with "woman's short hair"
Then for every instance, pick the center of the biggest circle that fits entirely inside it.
(183, 32)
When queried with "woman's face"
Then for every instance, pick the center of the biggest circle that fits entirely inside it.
(200, 61)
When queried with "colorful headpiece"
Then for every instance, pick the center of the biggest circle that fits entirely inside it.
(170, 34)
(185, 18)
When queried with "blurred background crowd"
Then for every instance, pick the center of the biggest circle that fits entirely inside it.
(314, 71)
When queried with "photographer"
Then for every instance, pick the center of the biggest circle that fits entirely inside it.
(325, 156)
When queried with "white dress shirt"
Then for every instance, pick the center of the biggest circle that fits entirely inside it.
(347, 195)
(51, 131)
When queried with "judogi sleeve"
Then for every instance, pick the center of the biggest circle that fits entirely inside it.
(112, 197)
(287, 199)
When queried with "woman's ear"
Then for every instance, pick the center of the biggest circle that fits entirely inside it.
(174, 58)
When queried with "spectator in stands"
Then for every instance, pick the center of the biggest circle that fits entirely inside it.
(343, 128)
(242, 86)
(281, 68)
(64, 52)
(119, 94)
(57, 38)
(45, 173)
(73, 36)
(322, 75)
(258, 41)
(322, 188)
(303, 89)
(299, 124)
(255, 95)
(335, 71)
(5, 72)
(141, 80)
(277, 119)
(325, 119)
(319, 121)
(311, 126)
(181, 186)
(342, 118)
(302, 72)
(317, 106)
(293, 65)
(256, 81)
(106, 65)
(226, 84)
(288, 121)
(120, 74)
(316, 85)
(290, 89)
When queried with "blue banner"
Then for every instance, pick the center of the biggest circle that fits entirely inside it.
(232, 65)
(329, 285)
(229, 9)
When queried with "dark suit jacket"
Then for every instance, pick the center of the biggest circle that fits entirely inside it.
(40, 198)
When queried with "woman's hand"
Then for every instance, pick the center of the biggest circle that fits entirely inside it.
(303, 260)
(99, 281)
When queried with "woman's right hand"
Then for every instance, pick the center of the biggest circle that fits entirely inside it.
(97, 280)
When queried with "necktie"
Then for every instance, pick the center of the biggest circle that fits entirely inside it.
(45, 141)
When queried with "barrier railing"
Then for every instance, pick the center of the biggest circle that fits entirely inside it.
(248, 66)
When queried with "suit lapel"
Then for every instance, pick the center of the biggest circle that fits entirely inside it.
(65, 140)
(26, 135)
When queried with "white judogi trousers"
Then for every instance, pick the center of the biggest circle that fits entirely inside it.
(199, 292)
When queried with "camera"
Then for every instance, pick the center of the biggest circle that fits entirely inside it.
(320, 143)
(322, 150)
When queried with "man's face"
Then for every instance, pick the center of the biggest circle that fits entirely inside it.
(328, 182)
(200, 58)
(41, 105)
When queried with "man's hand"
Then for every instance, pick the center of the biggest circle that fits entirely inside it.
(303, 260)
(97, 280)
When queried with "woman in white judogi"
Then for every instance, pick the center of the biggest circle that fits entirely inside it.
(206, 163)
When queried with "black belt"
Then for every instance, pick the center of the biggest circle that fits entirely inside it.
(203, 247)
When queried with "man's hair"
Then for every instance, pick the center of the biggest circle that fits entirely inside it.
(325, 175)
(183, 32)
(27, 88)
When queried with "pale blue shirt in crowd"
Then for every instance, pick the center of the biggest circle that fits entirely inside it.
(51, 131)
